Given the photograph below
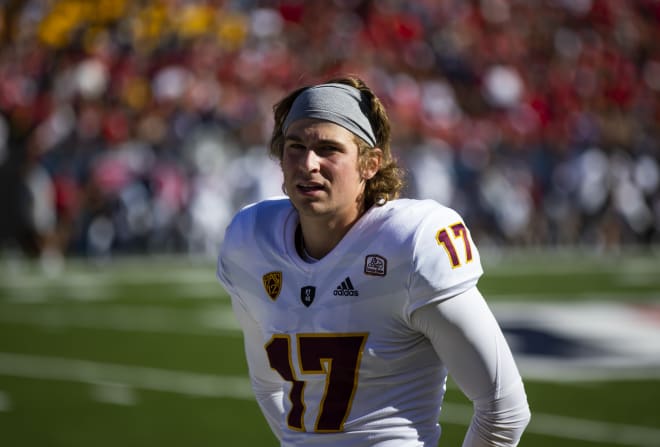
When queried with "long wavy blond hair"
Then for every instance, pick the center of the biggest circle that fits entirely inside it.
(388, 181)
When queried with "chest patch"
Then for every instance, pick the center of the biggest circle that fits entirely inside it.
(307, 295)
(272, 282)
(375, 265)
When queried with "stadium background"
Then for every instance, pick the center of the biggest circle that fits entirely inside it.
(130, 131)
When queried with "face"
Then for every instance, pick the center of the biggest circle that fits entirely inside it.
(321, 172)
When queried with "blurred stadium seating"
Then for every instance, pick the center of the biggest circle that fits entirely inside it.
(140, 126)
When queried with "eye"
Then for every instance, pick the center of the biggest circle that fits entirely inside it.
(294, 146)
(328, 149)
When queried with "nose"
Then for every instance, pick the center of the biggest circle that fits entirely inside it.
(310, 160)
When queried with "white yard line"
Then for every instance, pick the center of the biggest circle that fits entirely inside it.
(114, 393)
(5, 402)
(104, 288)
(568, 427)
(211, 320)
(231, 387)
(92, 280)
(525, 297)
(610, 370)
(95, 373)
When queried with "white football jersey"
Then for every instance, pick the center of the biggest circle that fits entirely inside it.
(330, 343)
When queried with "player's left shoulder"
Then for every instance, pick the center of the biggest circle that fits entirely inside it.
(443, 259)
(415, 212)
(430, 225)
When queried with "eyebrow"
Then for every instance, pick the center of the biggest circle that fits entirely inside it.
(298, 139)
(292, 137)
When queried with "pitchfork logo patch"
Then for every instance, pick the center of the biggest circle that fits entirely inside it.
(375, 265)
(307, 295)
(272, 282)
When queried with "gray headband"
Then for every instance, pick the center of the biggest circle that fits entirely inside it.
(338, 103)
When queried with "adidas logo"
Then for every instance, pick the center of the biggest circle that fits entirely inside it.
(345, 288)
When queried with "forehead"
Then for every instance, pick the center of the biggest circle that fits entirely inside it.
(315, 129)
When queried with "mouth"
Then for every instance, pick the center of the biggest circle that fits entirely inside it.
(309, 187)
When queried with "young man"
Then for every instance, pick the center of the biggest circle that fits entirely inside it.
(354, 304)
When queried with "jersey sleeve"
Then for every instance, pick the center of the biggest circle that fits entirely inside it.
(266, 384)
(469, 341)
(445, 260)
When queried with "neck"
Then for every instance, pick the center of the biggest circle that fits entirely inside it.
(320, 236)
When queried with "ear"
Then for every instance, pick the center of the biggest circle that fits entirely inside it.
(372, 163)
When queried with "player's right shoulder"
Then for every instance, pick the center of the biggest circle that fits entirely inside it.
(251, 234)
(246, 223)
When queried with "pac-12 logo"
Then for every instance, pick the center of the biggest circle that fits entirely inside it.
(375, 265)
(272, 282)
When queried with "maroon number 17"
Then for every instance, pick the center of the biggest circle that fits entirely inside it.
(458, 231)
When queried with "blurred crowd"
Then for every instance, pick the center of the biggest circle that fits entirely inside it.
(140, 126)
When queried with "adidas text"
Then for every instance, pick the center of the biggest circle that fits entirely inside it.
(338, 292)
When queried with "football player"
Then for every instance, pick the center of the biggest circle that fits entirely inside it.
(355, 304)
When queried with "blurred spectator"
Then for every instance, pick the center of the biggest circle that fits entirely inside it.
(139, 127)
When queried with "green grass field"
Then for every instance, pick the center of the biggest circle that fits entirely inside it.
(145, 352)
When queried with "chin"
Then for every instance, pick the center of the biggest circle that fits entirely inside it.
(309, 208)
